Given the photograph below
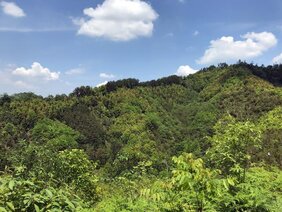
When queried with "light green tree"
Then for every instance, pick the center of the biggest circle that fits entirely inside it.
(232, 146)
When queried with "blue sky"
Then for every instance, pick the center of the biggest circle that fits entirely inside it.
(51, 47)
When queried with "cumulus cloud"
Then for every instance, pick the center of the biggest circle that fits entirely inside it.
(277, 59)
(7, 80)
(102, 84)
(107, 76)
(36, 71)
(12, 9)
(185, 71)
(118, 20)
(44, 83)
(226, 49)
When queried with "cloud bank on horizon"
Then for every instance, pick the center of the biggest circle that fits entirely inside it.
(226, 49)
(22, 79)
(185, 70)
(37, 71)
(121, 24)
(277, 59)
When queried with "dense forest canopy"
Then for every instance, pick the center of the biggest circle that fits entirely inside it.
(210, 141)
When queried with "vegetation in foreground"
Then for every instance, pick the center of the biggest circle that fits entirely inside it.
(207, 142)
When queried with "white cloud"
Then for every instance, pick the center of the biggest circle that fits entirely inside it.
(36, 71)
(277, 59)
(12, 9)
(181, 1)
(101, 84)
(75, 71)
(107, 76)
(22, 84)
(40, 84)
(118, 20)
(185, 71)
(226, 49)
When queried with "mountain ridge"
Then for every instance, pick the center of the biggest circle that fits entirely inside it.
(222, 124)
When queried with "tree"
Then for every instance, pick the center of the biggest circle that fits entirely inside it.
(83, 91)
(54, 134)
(232, 145)
(8, 140)
(125, 83)
(200, 187)
(5, 98)
(192, 187)
(17, 194)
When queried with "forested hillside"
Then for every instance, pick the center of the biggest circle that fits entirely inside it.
(211, 141)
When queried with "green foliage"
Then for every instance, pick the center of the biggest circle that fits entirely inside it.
(73, 167)
(40, 152)
(261, 191)
(29, 195)
(8, 138)
(232, 145)
(86, 122)
(5, 99)
(112, 146)
(83, 91)
(54, 134)
(126, 83)
(271, 126)
(198, 186)
(50, 156)
(192, 187)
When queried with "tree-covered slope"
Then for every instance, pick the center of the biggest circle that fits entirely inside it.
(207, 142)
